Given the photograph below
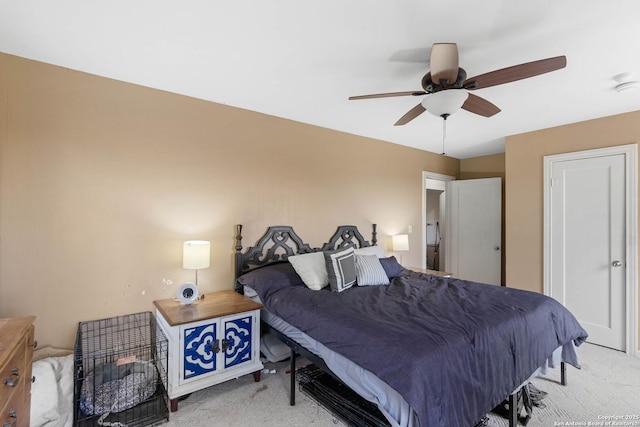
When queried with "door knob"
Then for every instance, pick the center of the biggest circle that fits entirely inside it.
(616, 263)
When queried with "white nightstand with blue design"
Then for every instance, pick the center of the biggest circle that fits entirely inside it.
(211, 341)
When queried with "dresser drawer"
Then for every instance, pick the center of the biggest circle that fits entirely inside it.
(16, 355)
(12, 377)
(15, 413)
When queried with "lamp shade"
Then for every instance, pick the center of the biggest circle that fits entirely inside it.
(400, 242)
(196, 254)
(445, 102)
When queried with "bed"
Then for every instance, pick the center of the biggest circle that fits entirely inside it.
(428, 350)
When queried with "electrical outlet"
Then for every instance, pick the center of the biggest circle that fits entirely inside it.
(410, 229)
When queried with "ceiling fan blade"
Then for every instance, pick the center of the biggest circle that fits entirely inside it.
(411, 114)
(481, 106)
(388, 95)
(444, 62)
(516, 72)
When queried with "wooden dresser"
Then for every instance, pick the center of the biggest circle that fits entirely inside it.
(16, 354)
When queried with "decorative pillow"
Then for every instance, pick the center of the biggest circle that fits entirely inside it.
(311, 269)
(370, 271)
(371, 250)
(392, 267)
(341, 268)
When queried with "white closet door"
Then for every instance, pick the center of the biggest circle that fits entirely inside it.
(588, 244)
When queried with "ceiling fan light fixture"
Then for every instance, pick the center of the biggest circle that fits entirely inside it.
(445, 102)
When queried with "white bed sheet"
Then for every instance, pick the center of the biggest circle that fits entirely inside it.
(52, 392)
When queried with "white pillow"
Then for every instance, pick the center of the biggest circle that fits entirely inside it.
(372, 250)
(370, 271)
(312, 269)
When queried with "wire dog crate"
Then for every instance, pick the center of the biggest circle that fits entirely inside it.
(120, 372)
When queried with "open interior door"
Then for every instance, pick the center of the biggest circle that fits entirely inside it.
(473, 230)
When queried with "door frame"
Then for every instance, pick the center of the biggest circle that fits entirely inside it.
(630, 153)
(423, 226)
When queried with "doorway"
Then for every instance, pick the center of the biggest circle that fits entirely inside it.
(590, 234)
(433, 218)
(435, 223)
(461, 227)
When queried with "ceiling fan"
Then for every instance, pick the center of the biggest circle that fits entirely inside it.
(446, 85)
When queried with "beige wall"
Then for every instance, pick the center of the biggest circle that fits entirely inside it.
(524, 192)
(101, 182)
(491, 166)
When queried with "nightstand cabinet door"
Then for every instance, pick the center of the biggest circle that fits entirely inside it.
(238, 341)
(198, 350)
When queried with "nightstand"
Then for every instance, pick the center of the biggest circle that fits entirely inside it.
(210, 341)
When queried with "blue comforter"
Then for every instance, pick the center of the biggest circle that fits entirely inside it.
(453, 349)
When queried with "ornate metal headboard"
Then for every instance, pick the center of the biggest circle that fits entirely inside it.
(349, 236)
(280, 241)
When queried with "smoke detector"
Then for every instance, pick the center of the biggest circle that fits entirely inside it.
(625, 82)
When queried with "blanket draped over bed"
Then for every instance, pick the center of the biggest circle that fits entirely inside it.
(452, 348)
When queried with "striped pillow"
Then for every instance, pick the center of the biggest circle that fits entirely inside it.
(369, 271)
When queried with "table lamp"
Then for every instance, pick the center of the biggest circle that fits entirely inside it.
(196, 255)
(400, 243)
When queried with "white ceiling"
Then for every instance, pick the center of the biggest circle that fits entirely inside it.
(301, 60)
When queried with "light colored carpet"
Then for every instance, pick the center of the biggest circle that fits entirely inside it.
(608, 385)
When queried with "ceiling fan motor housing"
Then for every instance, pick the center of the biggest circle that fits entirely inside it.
(430, 86)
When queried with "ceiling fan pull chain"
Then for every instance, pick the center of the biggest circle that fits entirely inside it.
(444, 130)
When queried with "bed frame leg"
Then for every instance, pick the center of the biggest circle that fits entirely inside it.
(563, 373)
(513, 409)
(292, 392)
